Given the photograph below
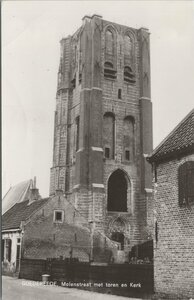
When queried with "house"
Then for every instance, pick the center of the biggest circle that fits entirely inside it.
(173, 172)
(49, 228)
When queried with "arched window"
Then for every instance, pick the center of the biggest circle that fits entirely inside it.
(109, 135)
(117, 191)
(129, 75)
(186, 183)
(109, 42)
(128, 138)
(109, 71)
(128, 46)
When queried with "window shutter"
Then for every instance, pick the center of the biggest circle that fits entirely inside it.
(190, 181)
(186, 183)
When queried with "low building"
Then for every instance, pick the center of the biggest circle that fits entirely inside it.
(173, 169)
(49, 228)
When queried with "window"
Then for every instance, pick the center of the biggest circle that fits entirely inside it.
(58, 216)
(109, 42)
(109, 71)
(186, 183)
(128, 138)
(127, 46)
(129, 75)
(127, 155)
(109, 134)
(107, 152)
(119, 93)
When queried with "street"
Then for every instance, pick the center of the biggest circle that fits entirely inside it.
(21, 289)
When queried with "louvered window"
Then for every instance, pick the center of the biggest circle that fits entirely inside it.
(129, 76)
(186, 184)
(109, 71)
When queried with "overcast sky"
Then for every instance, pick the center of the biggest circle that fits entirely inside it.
(31, 32)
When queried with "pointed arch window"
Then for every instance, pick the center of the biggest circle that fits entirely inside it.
(129, 75)
(128, 46)
(109, 71)
(109, 40)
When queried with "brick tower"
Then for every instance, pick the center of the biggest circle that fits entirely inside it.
(103, 128)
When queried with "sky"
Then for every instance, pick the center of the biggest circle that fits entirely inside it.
(31, 31)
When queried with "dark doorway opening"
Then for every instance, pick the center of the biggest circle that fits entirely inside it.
(117, 192)
(119, 238)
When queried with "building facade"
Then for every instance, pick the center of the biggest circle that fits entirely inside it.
(103, 128)
(173, 166)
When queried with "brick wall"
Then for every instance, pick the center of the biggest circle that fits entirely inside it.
(76, 173)
(44, 238)
(174, 251)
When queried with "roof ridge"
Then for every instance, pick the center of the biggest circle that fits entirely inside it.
(172, 132)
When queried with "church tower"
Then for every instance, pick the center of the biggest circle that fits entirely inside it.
(103, 128)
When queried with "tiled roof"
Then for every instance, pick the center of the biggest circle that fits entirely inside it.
(15, 195)
(180, 140)
(20, 212)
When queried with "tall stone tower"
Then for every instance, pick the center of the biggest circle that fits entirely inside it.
(103, 127)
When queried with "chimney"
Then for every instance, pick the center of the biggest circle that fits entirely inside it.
(34, 192)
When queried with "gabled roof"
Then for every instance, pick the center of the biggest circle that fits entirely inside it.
(16, 194)
(179, 141)
(21, 212)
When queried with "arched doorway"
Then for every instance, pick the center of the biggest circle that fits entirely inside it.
(119, 238)
(117, 191)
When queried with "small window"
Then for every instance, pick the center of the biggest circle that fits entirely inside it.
(119, 93)
(58, 216)
(127, 155)
(18, 240)
(107, 152)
